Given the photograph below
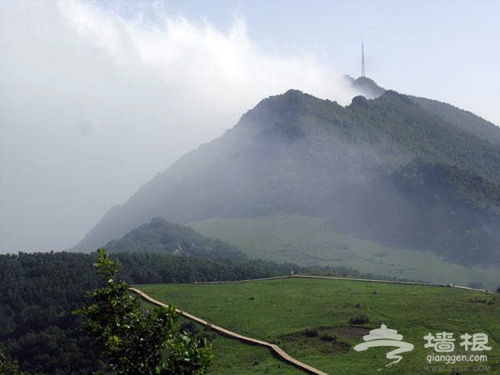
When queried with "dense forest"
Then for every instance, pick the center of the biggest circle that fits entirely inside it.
(38, 293)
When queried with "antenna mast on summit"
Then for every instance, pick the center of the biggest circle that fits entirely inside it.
(363, 72)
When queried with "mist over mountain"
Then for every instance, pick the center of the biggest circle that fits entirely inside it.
(365, 86)
(403, 171)
(162, 237)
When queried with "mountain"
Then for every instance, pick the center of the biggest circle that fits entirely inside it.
(162, 237)
(365, 86)
(454, 116)
(397, 170)
(465, 120)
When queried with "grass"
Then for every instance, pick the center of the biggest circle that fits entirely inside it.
(233, 357)
(310, 319)
(311, 241)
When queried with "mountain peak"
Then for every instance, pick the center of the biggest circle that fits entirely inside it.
(366, 87)
(359, 100)
(297, 154)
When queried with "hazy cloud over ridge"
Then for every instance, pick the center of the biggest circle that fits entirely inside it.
(94, 102)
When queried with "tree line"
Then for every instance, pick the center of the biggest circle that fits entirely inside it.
(39, 291)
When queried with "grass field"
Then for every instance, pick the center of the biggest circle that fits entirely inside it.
(233, 357)
(311, 241)
(310, 319)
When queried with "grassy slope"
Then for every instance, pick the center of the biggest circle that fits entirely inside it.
(233, 357)
(311, 241)
(281, 310)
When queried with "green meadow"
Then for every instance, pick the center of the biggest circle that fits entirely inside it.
(319, 321)
(310, 241)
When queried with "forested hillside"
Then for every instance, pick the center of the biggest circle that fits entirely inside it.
(162, 237)
(38, 293)
(397, 170)
(463, 119)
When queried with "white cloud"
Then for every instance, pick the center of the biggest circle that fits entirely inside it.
(226, 70)
(94, 103)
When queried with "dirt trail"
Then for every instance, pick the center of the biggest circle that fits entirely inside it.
(420, 283)
(280, 353)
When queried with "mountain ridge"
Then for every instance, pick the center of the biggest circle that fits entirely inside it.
(297, 154)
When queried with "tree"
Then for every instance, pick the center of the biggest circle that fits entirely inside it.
(134, 341)
(8, 366)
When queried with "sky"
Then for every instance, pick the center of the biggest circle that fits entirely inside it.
(96, 97)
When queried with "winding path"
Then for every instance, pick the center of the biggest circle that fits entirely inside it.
(280, 353)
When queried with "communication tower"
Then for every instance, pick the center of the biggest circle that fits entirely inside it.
(363, 72)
